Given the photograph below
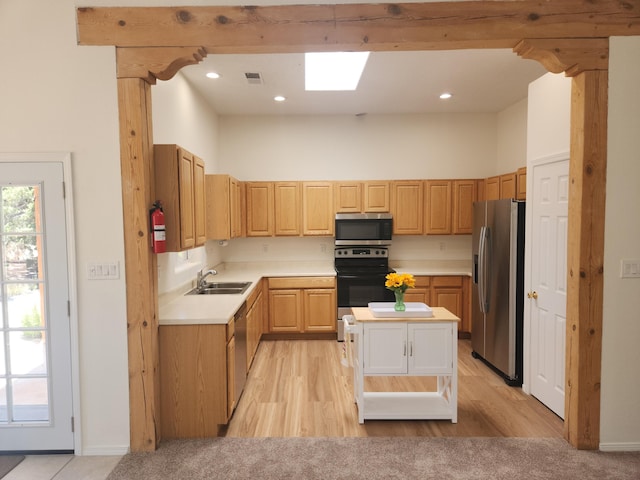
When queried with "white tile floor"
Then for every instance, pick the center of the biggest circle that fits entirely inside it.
(63, 467)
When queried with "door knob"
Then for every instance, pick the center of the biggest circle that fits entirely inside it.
(533, 295)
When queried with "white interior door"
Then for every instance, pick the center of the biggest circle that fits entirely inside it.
(35, 344)
(548, 200)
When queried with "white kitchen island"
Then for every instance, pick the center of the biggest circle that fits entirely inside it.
(405, 346)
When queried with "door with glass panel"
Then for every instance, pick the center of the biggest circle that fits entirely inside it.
(35, 359)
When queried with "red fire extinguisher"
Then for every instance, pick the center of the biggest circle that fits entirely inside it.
(158, 232)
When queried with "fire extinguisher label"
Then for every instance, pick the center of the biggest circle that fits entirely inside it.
(160, 235)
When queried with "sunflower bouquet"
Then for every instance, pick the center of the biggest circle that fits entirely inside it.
(399, 282)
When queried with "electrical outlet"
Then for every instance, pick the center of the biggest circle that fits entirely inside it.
(443, 246)
(323, 247)
(265, 248)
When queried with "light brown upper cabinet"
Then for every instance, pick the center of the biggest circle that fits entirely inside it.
(287, 208)
(225, 207)
(199, 201)
(492, 188)
(438, 207)
(376, 196)
(521, 181)
(508, 185)
(348, 197)
(407, 206)
(317, 208)
(179, 182)
(480, 184)
(464, 194)
(260, 209)
(370, 196)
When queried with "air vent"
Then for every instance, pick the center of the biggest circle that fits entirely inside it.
(253, 78)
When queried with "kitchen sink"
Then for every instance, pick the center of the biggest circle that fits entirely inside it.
(220, 288)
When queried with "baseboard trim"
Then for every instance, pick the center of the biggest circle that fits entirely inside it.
(105, 451)
(620, 447)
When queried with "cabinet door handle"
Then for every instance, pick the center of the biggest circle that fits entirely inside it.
(404, 353)
(411, 349)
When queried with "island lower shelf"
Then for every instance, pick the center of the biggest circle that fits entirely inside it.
(405, 406)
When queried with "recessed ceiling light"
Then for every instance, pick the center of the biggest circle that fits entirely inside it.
(445, 96)
(333, 71)
(213, 75)
(279, 98)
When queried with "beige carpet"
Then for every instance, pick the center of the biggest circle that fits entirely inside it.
(376, 458)
(8, 463)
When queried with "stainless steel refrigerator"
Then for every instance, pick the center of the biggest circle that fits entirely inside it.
(498, 286)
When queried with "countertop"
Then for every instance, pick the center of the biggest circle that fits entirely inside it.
(440, 314)
(176, 308)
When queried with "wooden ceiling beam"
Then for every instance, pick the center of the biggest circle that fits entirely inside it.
(500, 23)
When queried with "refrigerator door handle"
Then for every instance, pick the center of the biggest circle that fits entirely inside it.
(481, 270)
(484, 265)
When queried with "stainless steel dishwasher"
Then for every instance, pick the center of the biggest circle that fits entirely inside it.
(240, 319)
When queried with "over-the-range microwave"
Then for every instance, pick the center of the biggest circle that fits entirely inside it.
(363, 228)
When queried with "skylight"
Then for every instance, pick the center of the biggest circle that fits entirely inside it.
(333, 71)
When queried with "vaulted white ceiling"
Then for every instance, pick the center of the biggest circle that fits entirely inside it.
(392, 82)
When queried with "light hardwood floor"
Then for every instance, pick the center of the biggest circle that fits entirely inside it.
(299, 388)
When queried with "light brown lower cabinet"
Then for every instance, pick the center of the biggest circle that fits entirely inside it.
(451, 292)
(302, 304)
(231, 376)
(196, 379)
(422, 291)
(255, 310)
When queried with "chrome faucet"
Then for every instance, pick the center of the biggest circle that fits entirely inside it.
(202, 276)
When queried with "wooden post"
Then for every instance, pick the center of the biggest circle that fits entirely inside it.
(136, 159)
(587, 169)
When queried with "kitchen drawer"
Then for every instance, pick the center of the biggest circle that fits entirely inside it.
(448, 281)
(422, 281)
(301, 282)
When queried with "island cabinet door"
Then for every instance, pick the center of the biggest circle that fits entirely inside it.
(430, 348)
(385, 348)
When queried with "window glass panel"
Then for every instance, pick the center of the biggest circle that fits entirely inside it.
(24, 305)
(20, 257)
(30, 400)
(3, 368)
(3, 401)
(28, 353)
(19, 208)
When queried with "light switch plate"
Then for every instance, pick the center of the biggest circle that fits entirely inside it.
(629, 268)
(103, 271)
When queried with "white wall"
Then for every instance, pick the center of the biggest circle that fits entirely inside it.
(319, 249)
(511, 150)
(620, 415)
(358, 148)
(56, 96)
(552, 93)
(182, 116)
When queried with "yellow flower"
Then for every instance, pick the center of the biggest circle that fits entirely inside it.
(399, 281)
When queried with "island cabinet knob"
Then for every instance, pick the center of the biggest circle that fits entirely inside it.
(533, 295)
